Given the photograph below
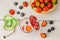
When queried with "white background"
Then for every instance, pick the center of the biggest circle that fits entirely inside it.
(6, 5)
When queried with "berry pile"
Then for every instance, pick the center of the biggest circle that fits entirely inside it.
(43, 5)
(12, 11)
(34, 23)
(44, 24)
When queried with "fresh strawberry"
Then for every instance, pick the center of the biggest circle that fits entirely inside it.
(12, 11)
(50, 5)
(25, 4)
(46, 1)
(33, 4)
(38, 9)
(42, 5)
(41, 0)
(45, 8)
(35, 0)
(50, 1)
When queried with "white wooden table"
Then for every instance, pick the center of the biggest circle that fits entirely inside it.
(5, 5)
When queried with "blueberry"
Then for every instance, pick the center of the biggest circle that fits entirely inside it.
(49, 30)
(51, 22)
(20, 7)
(15, 3)
(22, 14)
(18, 12)
(26, 22)
(52, 28)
